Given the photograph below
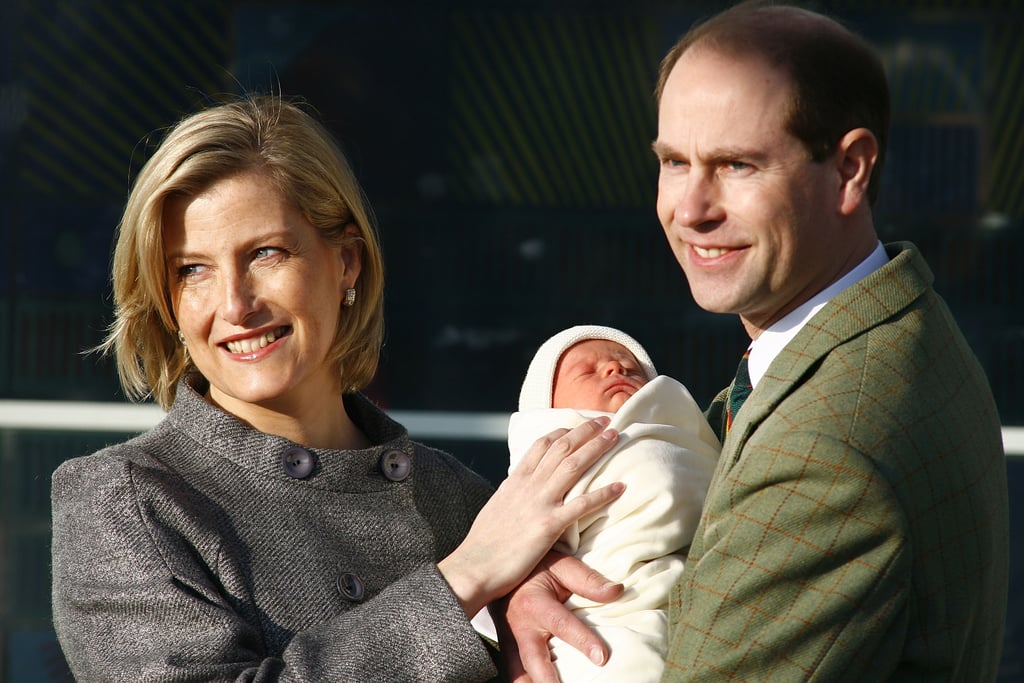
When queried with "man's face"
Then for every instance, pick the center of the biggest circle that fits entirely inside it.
(751, 219)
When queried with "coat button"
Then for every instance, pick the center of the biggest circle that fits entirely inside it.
(395, 465)
(351, 586)
(298, 462)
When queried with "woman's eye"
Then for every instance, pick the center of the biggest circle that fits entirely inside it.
(266, 252)
(188, 270)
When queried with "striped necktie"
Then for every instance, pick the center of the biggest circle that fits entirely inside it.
(741, 388)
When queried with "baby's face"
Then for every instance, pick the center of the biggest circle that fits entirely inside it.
(596, 374)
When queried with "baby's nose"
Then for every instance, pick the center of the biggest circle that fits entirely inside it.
(614, 367)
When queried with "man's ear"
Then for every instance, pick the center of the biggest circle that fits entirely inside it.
(855, 160)
(351, 255)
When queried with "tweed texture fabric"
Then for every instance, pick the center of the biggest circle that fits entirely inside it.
(190, 554)
(856, 528)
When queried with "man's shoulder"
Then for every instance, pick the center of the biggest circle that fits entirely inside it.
(910, 381)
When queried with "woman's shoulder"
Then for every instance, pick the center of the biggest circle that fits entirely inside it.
(429, 461)
(443, 462)
(441, 475)
(112, 466)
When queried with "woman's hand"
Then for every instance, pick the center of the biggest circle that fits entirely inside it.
(528, 513)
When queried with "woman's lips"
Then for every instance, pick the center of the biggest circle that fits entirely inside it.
(241, 346)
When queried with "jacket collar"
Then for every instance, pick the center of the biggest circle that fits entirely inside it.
(876, 298)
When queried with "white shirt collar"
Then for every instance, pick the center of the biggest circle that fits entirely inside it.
(770, 343)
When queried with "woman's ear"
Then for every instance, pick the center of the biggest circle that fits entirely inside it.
(351, 255)
(856, 154)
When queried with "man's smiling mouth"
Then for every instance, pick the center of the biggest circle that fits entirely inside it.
(713, 252)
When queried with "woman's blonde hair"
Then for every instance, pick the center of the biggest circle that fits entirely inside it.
(260, 133)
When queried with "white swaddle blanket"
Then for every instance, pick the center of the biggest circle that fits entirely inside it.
(665, 456)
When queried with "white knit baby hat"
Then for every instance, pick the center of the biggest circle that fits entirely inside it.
(540, 377)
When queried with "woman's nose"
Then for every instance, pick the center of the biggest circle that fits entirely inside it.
(239, 299)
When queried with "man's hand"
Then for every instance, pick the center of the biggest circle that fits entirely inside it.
(534, 612)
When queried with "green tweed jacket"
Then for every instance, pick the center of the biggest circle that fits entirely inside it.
(856, 528)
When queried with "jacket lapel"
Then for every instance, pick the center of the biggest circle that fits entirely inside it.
(876, 298)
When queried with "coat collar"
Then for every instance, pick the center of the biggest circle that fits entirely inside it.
(196, 436)
(870, 302)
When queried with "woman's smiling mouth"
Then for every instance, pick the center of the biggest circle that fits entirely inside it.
(241, 346)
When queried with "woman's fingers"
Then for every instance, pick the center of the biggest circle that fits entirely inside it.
(559, 471)
(537, 451)
(550, 451)
(565, 457)
(527, 513)
(582, 505)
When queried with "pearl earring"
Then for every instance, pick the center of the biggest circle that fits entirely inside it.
(181, 338)
(350, 297)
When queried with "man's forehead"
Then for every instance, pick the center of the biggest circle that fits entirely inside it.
(721, 98)
(726, 66)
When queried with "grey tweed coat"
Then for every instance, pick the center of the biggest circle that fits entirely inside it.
(203, 550)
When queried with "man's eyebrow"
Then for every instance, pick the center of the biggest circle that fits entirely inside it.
(724, 154)
(713, 157)
(662, 150)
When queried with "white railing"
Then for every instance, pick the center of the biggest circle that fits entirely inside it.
(132, 418)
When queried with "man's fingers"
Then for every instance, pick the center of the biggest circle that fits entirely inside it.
(535, 657)
(569, 628)
(558, 620)
(510, 653)
(580, 579)
(536, 610)
(527, 651)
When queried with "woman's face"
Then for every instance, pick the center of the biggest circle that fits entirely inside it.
(257, 293)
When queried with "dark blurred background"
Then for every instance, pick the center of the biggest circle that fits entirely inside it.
(505, 147)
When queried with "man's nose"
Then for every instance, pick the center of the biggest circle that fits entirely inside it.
(698, 201)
